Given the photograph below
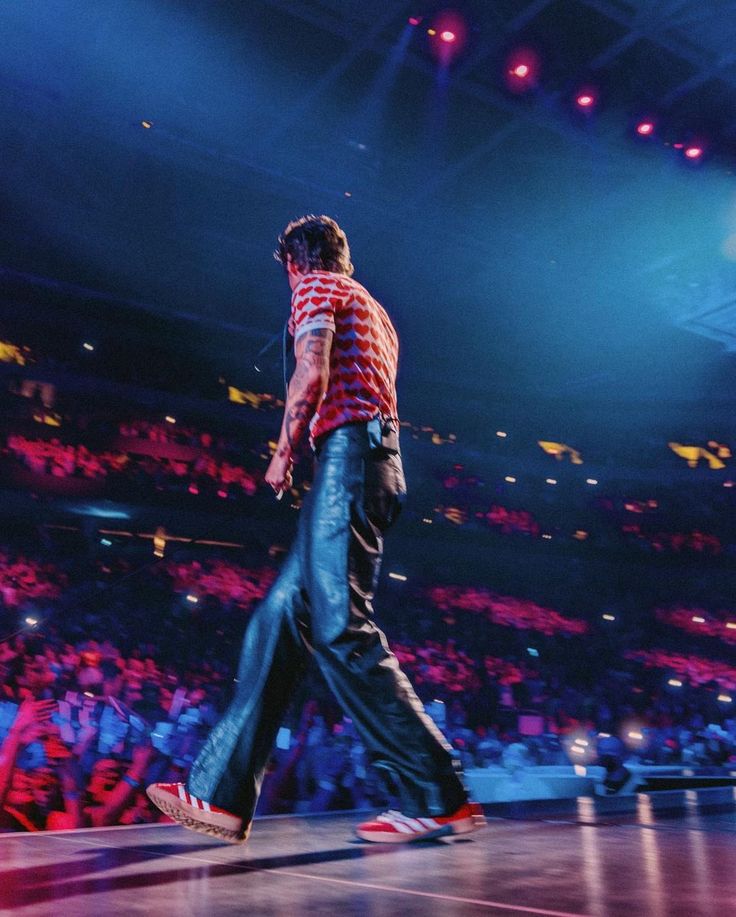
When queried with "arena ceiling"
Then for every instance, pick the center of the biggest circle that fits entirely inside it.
(523, 247)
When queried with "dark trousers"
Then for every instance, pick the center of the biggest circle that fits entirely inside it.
(321, 603)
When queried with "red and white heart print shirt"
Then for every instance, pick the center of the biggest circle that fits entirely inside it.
(365, 349)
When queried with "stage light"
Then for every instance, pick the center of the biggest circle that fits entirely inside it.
(547, 537)
(147, 124)
(415, 20)
(192, 599)
(674, 683)
(501, 434)
(725, 698)
(645, 128)
(728, 483)
(635, 735)
(731, 625)
(397, 576)
(31, 621)
(582, 747)
(532, 651)
(698, 620)
(608, 617)
(159, 542)
(105, 542)
(170, 419)
(509, 479)
(559, 450)
(550, 481)
(585, 100)
(427, 521)
(522, 67)
(88, 347)
(449, 33)
(693, 152)
(591, 481)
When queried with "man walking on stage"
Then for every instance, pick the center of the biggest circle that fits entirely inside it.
(343, 393)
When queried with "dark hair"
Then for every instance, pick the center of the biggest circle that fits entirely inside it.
(315, 243)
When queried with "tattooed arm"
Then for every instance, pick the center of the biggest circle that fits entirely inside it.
(306, 390)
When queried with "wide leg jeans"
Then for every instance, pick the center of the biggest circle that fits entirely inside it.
(321, 603)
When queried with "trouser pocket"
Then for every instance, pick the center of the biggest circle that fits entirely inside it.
(385, 489)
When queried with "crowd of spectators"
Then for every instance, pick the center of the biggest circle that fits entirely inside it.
(97, 700)
(203, 474)
(23, 579)
(60, 460)
(695, 542)
(575, 520)
(505, 610)
(169, 431)
(694, 670)
(143, 456)
(82, 727)
(508, 520)
(109, 686)
(231, 584)
(700, 621)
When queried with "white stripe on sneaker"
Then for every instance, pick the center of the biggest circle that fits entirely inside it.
(206, 806)
(429, 823)
(182, 792)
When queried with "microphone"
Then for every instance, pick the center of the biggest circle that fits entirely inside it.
(271, 342)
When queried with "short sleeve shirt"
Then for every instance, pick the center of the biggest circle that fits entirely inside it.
(365, 349)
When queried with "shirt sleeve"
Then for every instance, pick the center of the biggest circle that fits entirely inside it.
(314, 304)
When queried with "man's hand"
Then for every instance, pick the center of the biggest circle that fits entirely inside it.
(278, 475)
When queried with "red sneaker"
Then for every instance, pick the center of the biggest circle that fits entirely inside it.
(175, 801)
(394, 828)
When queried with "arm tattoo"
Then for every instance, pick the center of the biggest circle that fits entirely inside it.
(307, 386)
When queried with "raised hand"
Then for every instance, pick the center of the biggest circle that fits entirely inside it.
(32, 718)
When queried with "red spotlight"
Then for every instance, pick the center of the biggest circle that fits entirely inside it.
(693, 152)
(645, 128)
(415, 20)
(448, 32)
(522, 67)
(585, 100)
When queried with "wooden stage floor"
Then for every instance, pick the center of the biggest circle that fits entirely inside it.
(565, 865)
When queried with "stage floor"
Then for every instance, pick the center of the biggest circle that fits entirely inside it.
(569, 866)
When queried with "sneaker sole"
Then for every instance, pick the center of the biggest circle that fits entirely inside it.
(184, 816)
(463, 826)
